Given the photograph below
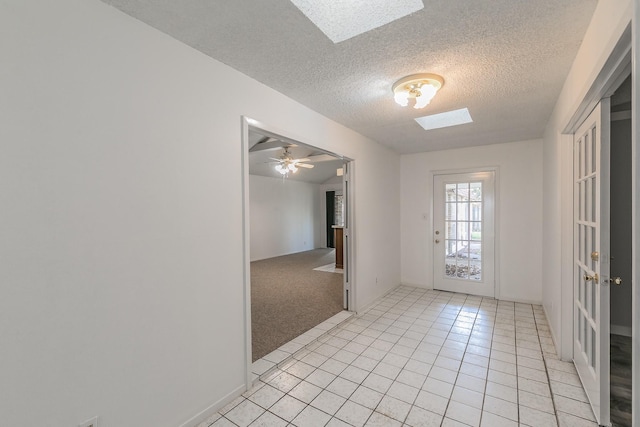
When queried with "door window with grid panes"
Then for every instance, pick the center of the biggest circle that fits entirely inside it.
(463, 232)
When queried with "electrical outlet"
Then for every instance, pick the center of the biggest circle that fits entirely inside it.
(93, 422)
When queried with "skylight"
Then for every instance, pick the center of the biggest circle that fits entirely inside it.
(443, 120)
(342, 19)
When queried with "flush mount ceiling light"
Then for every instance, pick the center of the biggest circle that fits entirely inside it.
(342, 19)
(421, 87)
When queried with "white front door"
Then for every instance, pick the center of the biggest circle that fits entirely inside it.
(463, 240)
(591, 253)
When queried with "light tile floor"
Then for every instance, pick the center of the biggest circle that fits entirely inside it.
(422, 358)
(330, 268)
(285, 352)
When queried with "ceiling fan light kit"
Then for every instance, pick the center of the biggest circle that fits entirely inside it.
(288, 164)
(419, 87)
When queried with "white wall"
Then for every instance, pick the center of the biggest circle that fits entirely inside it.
(286, 216)
(121, 277)
(607, 25)
(519, 189)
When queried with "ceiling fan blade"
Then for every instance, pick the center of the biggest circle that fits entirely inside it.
(301, 160)
(304, 165)
(322, 158)
(270, 144)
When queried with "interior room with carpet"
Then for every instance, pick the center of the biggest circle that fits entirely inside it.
(492, 259)
(296, 273)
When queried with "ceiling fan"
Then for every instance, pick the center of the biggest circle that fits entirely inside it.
(286, 163)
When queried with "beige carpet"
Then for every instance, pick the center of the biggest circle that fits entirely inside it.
(288, 297)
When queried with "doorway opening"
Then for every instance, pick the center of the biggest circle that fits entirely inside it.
(291, 280)
(603, 263)
(621, 223)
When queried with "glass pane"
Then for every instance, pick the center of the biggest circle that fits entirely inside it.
(476, 231)
(475, 260)
(476, 211)
(593, 247)
(450, 191)
(463, 192)
(450, 258)
(463, 231)
(462, 251)
(585, 155)
(587, 246)
(588, 200)
(463, 211)
(580, 242)
(450, 231)
(593, 150)
(587, 238)
(475, 192)
(450, 249)
(450, 211)
(593, 313)
(581, 202)
(589, 341)
(580, 286)
(451, 269)
(475, 251)
(592, 359)
(581, 330)
(593, 182)
(580, 150)
(462, 269)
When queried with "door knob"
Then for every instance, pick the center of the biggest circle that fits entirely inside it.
(437, 241)
(588, 278)
(615, 281)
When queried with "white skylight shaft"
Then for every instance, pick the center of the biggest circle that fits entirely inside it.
(443, 120)
(342, 19)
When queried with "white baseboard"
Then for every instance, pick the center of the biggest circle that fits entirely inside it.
(416, 285)
(625, 331)
(213, 408)
(556, 344)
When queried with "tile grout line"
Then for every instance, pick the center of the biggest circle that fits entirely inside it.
(486, 382)
(291, 356)
(546, 371)
(401, 314)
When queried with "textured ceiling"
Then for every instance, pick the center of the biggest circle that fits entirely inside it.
(505, 60)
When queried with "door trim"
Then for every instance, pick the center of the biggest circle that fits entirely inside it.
(496, 218)
(591, 298)
(615, 69)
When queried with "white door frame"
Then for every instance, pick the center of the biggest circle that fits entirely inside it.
(592, 258)
(246, 124)
(622, 60)
(610, 77)
(496, 217)
(485, 286)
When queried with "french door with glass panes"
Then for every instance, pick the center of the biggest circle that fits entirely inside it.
(463, 240)
(591, 251)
